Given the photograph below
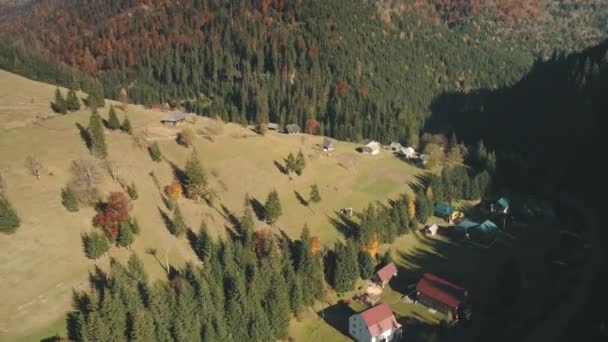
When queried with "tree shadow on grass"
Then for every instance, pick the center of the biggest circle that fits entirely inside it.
(337, 316)
(258, 208)
(280, 167)
(344, 225)
(301, 199)
(166, 220)
(179, 174)
(84, 134)
(230, 216)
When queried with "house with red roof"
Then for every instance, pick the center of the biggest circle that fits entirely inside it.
(385, 274)
(440, 295)
(376, 324)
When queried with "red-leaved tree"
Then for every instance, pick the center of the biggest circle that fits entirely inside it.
(113, 212)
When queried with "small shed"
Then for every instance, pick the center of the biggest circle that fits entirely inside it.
(328, 144)
(445, 211)
(431, 231)
(173, 118)
(292, 129)
(408, 152)
(273, 126)
(372, 148)
(385, 274)
(423, 159)
(395, 146)
(501, 206)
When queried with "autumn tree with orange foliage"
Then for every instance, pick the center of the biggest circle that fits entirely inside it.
(315, 245)
(175, 190)
(312, 127)
(113, 212)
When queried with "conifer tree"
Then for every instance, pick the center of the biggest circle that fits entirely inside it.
(9, 220)
(155, 153)
(315, 196)
(96, 136)
(59, 105)
(196, 178)
(140, 326)
(277, 300)
(290, 163)
(132, 191)
(135, 225)
(113, 122)
(126, 125)
(247, 227)
(366, 265)
(300, 163)
(346, 268)
(272, 207)
(95, 245)
(72, 102)
(69, 199)
(178, 226)
(125, 235)
(422, 207)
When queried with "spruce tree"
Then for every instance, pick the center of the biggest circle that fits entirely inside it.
(59, 105)
(132, 191)
(135, 225)
(196, 178)
(126, 125)
(290, 163)
(125, 235)
(95, 245)
(178, 226)
(9, 220)
(69, 199)
(272, 207)
(113, 122)
(72, 102)
(346, 268)
(422, 207)
(300, 163)
(366, 265)
(315, 196)
(247, 227)
(96, 136)
(155, 153)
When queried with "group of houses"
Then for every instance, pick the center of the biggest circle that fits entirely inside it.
(378, 323)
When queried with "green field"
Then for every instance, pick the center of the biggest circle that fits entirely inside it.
(43, 261)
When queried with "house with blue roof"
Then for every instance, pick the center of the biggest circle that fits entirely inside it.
(482, 232)
(445, 211)
(501, 206)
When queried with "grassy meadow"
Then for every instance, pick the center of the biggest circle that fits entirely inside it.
(43, 261)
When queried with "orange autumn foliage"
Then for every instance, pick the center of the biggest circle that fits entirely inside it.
(411, 208)
(113, 212)
(315, 244)
(175, 190)
(312, 127)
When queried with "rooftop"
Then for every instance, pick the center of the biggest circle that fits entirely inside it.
(387, 272)
(379, 319)
(441, 290)
(175, 115)
(444, 208)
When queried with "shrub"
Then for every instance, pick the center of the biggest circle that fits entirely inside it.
(69, 199)
(95, 245)
(155, 153)
(185, 137)
(132, 191)
(9, 221)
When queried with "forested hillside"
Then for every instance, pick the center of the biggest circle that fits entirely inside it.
(336, 62)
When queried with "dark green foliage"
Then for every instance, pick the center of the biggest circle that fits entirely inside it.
(125, 235)
(290, 163)
(71, 102)
(9, 220)
(346, 266)
(366, 265)
(272, 207)
(96, 96)
(126, 125)
(178, 225)
(59, 105)
(424, 207)
(300, 163)
(69, 199)
(155, 153)
(196, 178)
(132, 191)
(95, 245)
(315, 196)
(386, 258)
(309, 269)
(113, 122)
(247, 227)
(135, 225)
(97, 136)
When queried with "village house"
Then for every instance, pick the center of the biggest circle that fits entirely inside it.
(372, 148)
(431, 231)
(173, 118)
(446, 212)
(501, 206)
(385, 274)
(292, 129)
(482, 232)
(273, 126)
(440, 295)
(395, 146)
(328, 144)
(376, 324)
(408, 152)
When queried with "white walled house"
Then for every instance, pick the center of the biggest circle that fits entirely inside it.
(376, 324)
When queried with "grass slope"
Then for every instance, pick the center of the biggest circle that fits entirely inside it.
(43, 261)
